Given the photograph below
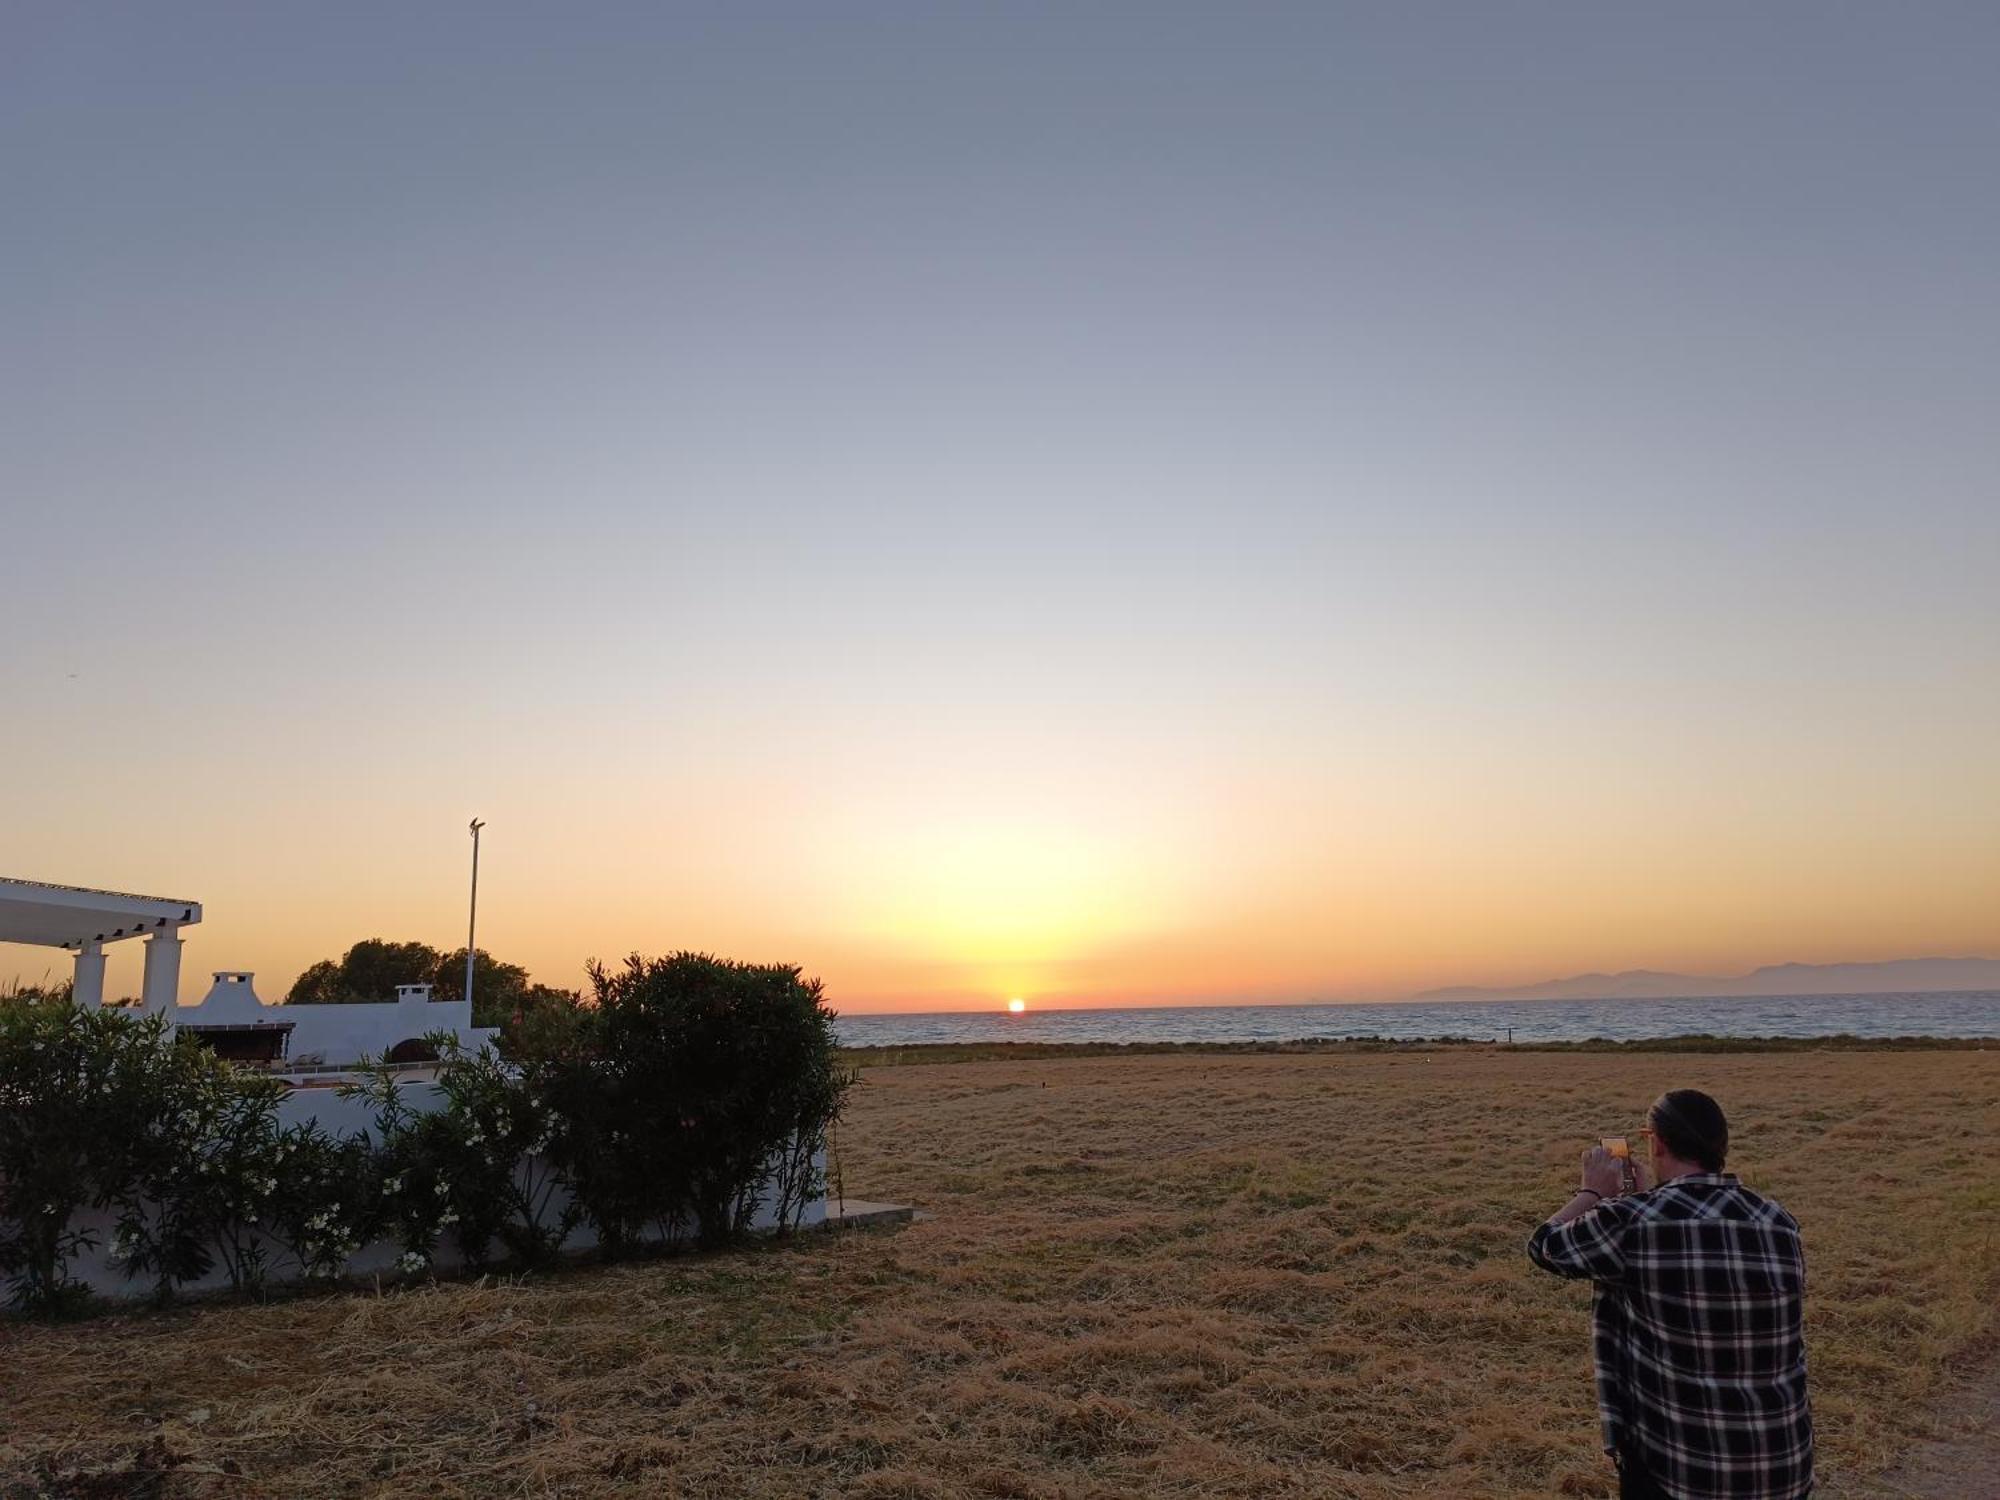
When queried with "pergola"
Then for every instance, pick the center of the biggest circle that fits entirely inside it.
(83, 921)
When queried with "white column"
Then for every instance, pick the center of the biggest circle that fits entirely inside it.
(89, 975)
(162, 986)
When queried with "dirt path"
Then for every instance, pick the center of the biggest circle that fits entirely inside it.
(1963, 1464)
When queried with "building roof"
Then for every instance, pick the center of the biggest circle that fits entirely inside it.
(68, 916)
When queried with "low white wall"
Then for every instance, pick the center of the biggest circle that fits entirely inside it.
(340, 1116)
(337, 1034)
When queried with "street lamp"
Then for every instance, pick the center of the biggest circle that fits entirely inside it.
(472, 921)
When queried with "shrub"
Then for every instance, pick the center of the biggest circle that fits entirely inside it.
(411, 1162)
(480, 1169)
(508, 1131)
(103, 1109)
(61, 1095)
(204, 1165)
(692, 1089)
(327, 1201)
(93, 1102)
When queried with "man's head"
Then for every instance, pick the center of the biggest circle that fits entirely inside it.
(1689, 1134)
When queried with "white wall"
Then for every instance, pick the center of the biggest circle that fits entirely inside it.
(340, 1117)
(338, 1034)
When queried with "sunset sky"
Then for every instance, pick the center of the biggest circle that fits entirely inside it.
(1100, 504)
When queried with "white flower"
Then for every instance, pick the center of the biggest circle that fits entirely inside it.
(449, 1216)
(413, 1261)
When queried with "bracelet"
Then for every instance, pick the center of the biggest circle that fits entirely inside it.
(1593, 1193)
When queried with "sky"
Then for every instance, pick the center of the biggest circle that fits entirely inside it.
(1106, 505)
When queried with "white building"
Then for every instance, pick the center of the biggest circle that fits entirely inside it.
(289, 1039)
(300, 1039)
(83, 921)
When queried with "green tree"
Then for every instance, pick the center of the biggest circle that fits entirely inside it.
(318, 985)
(498, 990)
(369, 972)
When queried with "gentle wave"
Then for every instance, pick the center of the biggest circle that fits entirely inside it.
(1974, 1013)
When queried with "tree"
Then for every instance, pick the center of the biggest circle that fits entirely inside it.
(366, 974)
(318, 985)
(369, 972)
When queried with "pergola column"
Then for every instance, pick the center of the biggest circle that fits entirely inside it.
(161, 988)
(89, 990)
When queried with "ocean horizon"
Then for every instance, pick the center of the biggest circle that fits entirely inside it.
(1946, 1013)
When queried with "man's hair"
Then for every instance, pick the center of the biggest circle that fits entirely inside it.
(1690, 1124)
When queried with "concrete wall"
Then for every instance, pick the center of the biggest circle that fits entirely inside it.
(339, 1117)
(336, 1034)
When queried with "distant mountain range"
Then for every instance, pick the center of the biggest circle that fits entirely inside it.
(1898, 976)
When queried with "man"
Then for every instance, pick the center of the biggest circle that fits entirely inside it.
(1696, 1317)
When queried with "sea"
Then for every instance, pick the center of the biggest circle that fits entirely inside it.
(1964, 1013)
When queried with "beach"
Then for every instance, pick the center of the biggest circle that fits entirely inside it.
(1180, 1275)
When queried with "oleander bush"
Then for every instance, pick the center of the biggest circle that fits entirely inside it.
(689, 1089)
(479, 1171)
(685, 1093)
(73, 1085)
(104, 1109)
(203, 1156)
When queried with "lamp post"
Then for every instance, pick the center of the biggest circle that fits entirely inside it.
(472, 921)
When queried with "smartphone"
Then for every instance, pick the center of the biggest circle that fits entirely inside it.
(1620, 1147)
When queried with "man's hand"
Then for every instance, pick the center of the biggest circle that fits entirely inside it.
(1603, 1173)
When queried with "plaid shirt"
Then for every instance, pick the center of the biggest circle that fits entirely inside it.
(1696, 1328)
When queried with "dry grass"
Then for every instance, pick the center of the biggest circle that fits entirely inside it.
(1235, 1275)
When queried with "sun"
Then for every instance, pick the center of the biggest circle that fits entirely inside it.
(1017, 1005)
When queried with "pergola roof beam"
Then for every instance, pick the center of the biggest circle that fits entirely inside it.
(67, 916)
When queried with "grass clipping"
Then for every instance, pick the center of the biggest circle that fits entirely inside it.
(1235, 1275)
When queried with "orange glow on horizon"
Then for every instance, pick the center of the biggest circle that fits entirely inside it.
(957, 865)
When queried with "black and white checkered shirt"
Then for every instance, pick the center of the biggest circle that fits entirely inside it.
(1696, 1327)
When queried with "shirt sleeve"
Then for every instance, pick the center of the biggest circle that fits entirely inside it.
(1590, 1246)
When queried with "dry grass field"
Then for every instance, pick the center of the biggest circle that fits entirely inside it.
(1238, 1275)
